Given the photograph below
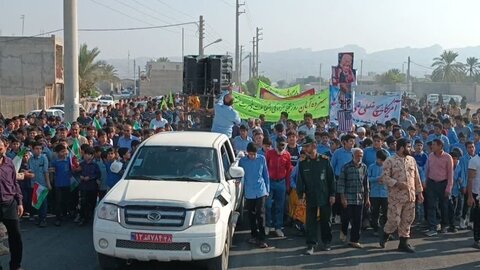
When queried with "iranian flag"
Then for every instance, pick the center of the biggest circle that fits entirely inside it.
(39, 195)
(73, 183)
(17, 160)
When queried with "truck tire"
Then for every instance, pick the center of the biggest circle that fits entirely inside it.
(221, 262)
(109, 263)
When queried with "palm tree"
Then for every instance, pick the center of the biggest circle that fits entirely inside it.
(472, 67)
(90, 71)
(447, 69)
(163, 59)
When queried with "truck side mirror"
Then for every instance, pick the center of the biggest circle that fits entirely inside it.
(236, 172)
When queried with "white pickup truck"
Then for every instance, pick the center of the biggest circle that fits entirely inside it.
(177, 201)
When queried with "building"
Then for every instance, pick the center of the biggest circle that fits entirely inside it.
(161, 78)
(31, 73)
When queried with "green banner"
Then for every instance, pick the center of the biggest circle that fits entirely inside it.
(285, 92)
(251, 107)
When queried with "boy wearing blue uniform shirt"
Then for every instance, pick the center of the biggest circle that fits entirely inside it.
(421, 158)
(63, 173)
(38, 164)
(460, 144)
(454, 203)
(89, 175)
(469, 154)
(257, 189)
(378, 193)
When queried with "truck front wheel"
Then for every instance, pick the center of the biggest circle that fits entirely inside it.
(109, 263)
(221, 262)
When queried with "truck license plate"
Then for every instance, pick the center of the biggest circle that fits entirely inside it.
(151, 237)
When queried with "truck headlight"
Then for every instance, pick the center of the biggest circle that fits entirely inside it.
(206, 216)
(107, 211)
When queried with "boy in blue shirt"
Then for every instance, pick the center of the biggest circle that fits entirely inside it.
(89, 175)
(454, 202)
(421, 158)
(38, 164)
(257, 188)
(63, 173)
(378, 192)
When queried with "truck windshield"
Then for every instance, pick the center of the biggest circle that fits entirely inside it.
(174, 163)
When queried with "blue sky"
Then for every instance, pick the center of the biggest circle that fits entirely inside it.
(316, 24)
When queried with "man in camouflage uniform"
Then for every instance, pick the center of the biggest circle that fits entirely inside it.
(400, 174)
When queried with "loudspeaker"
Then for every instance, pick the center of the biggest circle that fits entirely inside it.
(206, 76)
(190, 82)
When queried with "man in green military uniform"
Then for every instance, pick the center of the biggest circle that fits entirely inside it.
(316, 185)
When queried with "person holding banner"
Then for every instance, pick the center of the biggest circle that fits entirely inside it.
(225, 116)
(11, 206)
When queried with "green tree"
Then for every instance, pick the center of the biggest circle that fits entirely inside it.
(472, 67)
(163, 60)
(252, 84)
(447, 69)
(391, 76)
(91, 71)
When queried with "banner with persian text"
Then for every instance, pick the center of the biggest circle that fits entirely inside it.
(251, 107)
(284, 92)
(266, 94)
(368, 109)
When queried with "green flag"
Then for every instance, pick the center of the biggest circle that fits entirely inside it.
(96, 123)
(285, 92)
(136, 126)
(164, 102)
(251, 107)
(68, 125)
(171, 100)
(76, 148)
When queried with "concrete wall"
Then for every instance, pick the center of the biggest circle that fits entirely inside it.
(30, 67)
(470, 90)
(162, 78)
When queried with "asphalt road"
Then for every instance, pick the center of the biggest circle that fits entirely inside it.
(70, 247)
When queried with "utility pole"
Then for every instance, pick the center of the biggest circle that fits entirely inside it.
(320, 77)
(139, 79)
(240, 65)
(128, 64)
(238, 58)
(183, 43)
(249, 66)
(254, 56)
(408, 75)
(134, 79)
(70, 28)
(258, 41)
(22, 17)
(201, 29)
(361, 70)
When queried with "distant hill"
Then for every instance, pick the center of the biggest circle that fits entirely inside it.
(298, 63)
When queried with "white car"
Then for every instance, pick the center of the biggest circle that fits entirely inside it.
(50, 112)
(177, 201)
(106, 100)
(62, 107)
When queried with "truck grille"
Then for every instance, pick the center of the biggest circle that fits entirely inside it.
(155, 216)
(152, 246)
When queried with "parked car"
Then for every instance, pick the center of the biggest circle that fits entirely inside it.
(50, 112)
(106, 100)
(185, 209)
(62, 107)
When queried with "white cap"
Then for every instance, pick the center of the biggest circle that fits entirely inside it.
(361, 129)
(116, 166)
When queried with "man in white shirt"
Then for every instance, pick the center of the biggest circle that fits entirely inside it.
(158, 121)
(473, 192)
(308, 127)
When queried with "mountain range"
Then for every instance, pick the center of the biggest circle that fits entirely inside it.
(297, 63)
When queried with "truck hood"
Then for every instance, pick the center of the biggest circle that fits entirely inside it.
(170, 193)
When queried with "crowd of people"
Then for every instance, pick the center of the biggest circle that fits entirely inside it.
(419, 168)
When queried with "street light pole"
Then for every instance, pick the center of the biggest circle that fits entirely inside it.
(237, 40)
(70, 27)
(201, 28)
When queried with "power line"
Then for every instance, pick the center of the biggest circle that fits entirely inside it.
(120, 12)
(178, 11)
(227, 3)
(430, 68)
(155, 11)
